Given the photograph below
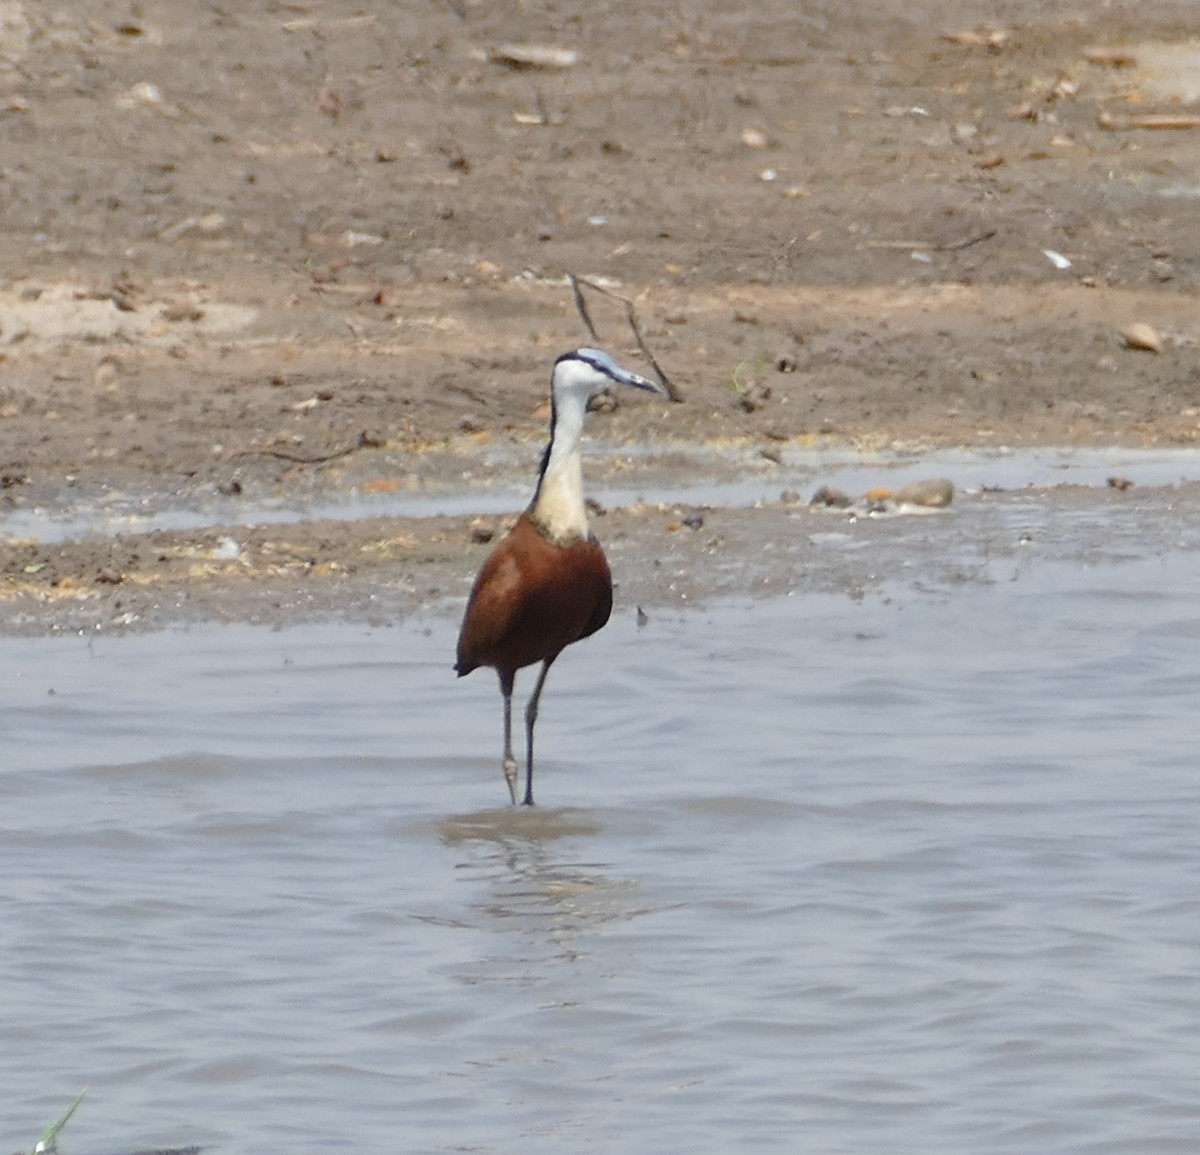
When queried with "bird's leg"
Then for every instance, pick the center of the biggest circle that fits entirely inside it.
(531, 712)
(510, 763)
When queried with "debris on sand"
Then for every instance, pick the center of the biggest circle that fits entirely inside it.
(993, 39)
(1142, 337)
(932, 493)
(1153, 121)
(1109, 56)
(544, 56)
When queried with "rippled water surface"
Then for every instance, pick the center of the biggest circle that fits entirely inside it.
(917, 874)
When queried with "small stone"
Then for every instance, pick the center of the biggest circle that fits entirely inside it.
(935, 493)
(829, 496)
(1142, 337)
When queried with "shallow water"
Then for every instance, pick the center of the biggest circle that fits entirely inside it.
(912, 874)
(499, 483)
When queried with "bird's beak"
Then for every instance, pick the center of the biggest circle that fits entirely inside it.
(639, 382)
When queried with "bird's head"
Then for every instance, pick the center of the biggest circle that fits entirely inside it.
(582, 373)
(558, 508)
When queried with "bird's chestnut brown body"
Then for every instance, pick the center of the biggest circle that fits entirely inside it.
(531, 600)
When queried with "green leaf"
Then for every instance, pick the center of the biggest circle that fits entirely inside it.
(49, 1140)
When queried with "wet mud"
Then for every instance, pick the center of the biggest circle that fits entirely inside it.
(294, 257)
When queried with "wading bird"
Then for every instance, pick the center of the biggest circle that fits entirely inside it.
(547, 583)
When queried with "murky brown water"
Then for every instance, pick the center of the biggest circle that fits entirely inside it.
(915, 874)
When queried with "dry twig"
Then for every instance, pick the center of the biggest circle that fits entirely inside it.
(365, 441)
(1152, 121)
(948, 247)
(577, 284)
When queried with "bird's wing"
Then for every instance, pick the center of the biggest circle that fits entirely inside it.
(494, 604)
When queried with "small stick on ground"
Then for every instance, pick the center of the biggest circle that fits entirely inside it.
(365, 441)
(1151, 121)
(948, 247)
(630, 316)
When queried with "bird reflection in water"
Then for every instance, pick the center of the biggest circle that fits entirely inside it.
(535, 881)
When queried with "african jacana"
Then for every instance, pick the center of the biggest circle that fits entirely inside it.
(547, 583)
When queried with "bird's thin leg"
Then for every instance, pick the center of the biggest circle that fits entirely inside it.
(531, 712)
(510, 763)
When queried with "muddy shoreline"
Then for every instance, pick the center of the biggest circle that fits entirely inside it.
(298, 258)
(380, 570)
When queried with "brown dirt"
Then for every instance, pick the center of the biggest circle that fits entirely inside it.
(303, 249)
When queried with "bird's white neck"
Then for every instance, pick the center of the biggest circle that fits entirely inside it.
(558, 508)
